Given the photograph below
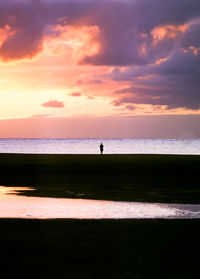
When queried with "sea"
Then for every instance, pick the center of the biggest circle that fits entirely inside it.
(91, 146)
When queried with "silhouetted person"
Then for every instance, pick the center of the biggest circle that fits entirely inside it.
(101, 148)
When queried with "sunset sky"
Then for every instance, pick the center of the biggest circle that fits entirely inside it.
(100, 68)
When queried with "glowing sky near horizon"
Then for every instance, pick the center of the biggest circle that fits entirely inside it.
(84, 61)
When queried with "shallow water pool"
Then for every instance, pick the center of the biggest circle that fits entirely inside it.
(15, 206)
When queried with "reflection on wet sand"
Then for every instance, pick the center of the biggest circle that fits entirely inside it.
(13, 190)
(14, 206)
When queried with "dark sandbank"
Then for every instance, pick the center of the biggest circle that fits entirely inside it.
(152, 178)
(100, 249)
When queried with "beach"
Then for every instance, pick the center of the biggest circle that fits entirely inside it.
(67, 248)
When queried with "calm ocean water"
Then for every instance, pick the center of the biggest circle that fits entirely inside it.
(91, 146)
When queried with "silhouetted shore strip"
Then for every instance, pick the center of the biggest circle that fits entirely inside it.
(114, 249)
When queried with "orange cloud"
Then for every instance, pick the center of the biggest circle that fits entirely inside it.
(161, 60)
(25, 43)
(75, 94)
(193, 49)
(53, 104)
(5, 32)
(168, 31)
(75, 41)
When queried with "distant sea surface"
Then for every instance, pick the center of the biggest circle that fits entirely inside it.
(91, 146)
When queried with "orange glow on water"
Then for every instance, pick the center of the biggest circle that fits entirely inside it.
(13, 190)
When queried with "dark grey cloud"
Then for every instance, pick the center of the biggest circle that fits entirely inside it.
(174, 83)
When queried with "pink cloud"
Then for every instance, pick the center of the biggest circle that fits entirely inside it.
(130, 107)
(75, 94)
(41, 115)
(53, 104)
(90, 97)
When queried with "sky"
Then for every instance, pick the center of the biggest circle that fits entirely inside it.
(100, 68)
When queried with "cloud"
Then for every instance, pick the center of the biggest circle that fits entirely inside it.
(24, 44)
(156, 42)
(95, 81)
(174, 83)
(89, 81)
(75, 94)
(130, 107)
(140, 32)
(90, 97)
(53, 104)
(32, 22)
(128, 30)
(41, 115)
(26, 21)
